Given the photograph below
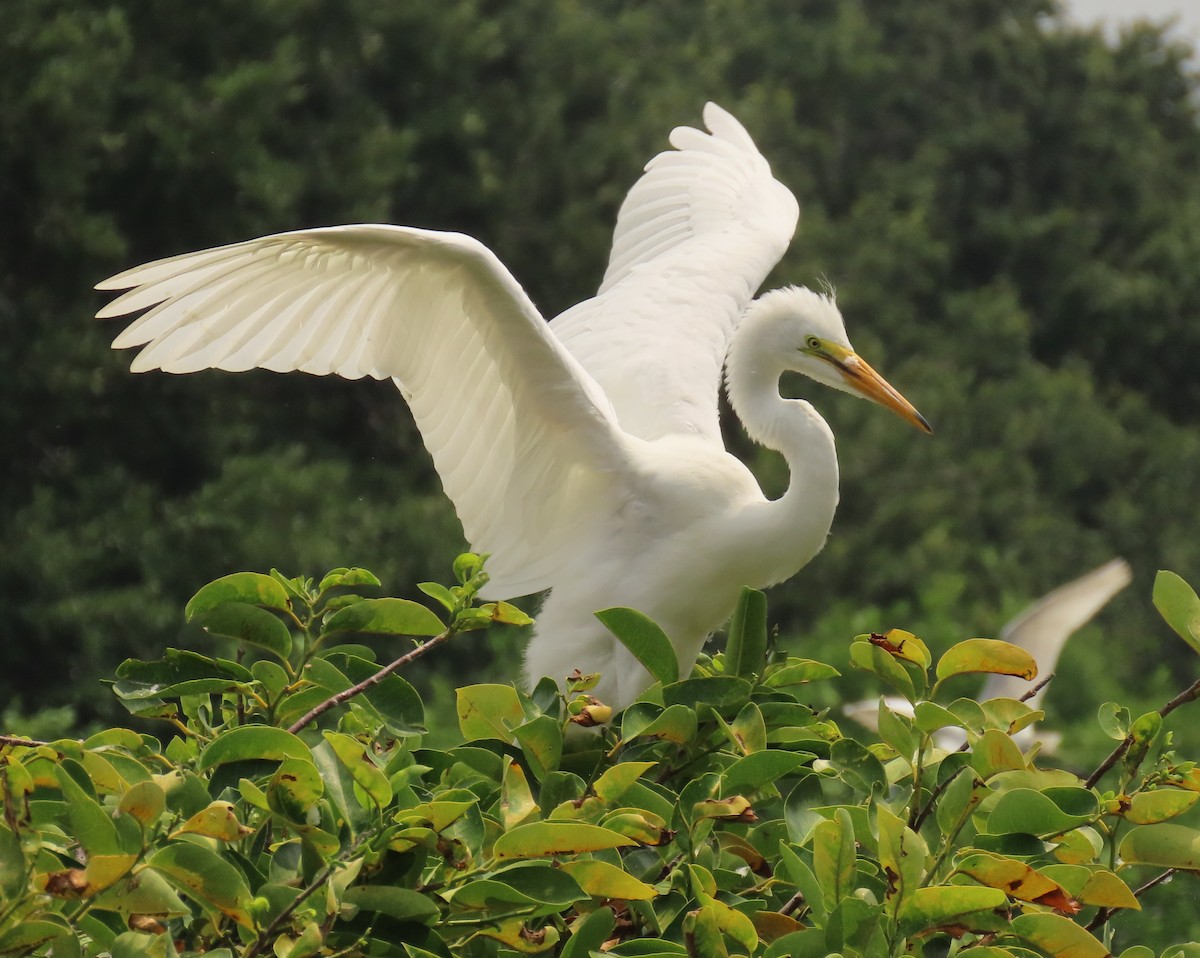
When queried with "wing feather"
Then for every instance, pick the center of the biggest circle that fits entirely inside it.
(695, 237)
(509, 416)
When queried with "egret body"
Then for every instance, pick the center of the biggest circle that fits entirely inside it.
(584, 454)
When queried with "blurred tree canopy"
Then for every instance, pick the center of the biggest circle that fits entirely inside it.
(1009, 207)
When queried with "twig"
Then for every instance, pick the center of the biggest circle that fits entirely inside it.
(259, 942)
(340, 697)
(1190, 694)
(1104, 914)
(919, 819)
(1037, 688)
(17, 740)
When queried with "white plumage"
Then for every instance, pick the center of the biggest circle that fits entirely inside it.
(584, 454)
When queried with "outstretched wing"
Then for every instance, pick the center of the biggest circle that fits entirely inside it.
(1043, 628)
(524, 441)
(695, 238)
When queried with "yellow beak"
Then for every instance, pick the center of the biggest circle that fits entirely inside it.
(861, 378)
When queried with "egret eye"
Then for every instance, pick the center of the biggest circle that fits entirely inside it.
(812, 342)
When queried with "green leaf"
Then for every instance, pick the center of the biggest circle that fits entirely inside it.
(762, 769)
(902, 856)
(869, 657)
(590, 933)
(179, 672)
(1179, 606)
(1046, 812)
(253, 742)
(252, 588)
(145, 892)
(489, 712)
(703, 934)
(392, 617)
(929, 717)
(1056, 935)
(945, 906)
(1114, 719)
(403, 904)
(247, 623)
(366, 774)
(1164, 845)
(12, 864)
(746, 650)
(91, 825)
(543, 839)
(720, 692)
(797, 671)
(857, 766)
(834, 861)
(541, 742)
(648, 643)
(205, 876)
(676, 724)
(31, 933)
(749, 729)
(986, 655)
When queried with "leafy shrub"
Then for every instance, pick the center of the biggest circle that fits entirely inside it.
(295, 810)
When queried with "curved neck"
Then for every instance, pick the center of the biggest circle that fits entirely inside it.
(795, 525)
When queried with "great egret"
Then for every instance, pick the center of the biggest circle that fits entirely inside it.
(584, 455)
(1042, 630)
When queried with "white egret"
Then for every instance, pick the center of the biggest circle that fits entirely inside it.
(583, 454)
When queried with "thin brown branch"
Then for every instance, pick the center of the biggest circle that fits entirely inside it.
(17, 740)
(1037, 688)
(347, 694)
(919, 819)
(323, 876)
(1104, 914)
(1190, 694)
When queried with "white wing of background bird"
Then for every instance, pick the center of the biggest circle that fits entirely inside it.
(1044, 627)
(524, 441)
(694, 240)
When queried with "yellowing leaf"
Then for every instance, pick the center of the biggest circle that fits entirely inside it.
(489, 711)
(366, 774)
(986, 655)
(217, 821)
(516, 800)
(1058, 936)
(541, 839)
(1018, 880)
(602, 880)
(616, 779)
(1148, 808)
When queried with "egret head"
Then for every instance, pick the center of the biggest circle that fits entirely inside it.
(808, 330)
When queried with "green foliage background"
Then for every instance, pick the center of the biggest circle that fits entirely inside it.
(1009, 207)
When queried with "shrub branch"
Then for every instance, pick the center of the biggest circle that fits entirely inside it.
(1190, 694)
(347, 694)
